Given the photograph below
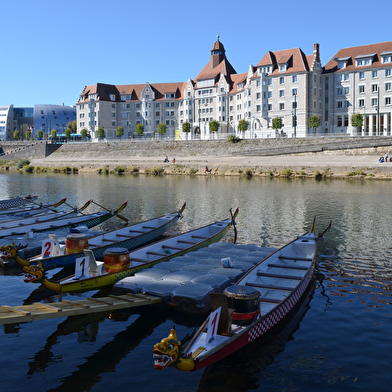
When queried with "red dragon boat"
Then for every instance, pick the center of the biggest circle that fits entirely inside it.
(246, 310)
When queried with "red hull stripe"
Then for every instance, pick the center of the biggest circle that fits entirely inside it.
(245, 316)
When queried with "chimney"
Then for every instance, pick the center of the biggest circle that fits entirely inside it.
(316, 52)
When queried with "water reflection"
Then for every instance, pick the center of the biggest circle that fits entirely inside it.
(344, 331)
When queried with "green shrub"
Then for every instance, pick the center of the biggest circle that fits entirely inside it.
(193, 171)
(157, 171)
(233, 139)
(119, 169)
(23, 162)
(134, 170)
(286, 173)
(28, 168)
(357, 173)
(248, 172)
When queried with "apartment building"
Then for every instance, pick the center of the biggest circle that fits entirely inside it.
(287, 83)
(359, 80)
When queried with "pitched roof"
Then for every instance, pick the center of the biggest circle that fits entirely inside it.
(134, 90)
(295, 58)
(350, 54)
(209, 72)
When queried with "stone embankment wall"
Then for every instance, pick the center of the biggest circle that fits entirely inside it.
(260, 147)
(27, 149)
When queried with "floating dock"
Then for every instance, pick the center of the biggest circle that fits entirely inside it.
(65, 308)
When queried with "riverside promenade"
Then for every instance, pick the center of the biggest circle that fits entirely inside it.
(224, 158)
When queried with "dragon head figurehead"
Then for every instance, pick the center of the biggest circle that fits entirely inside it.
(167, 353)
(11, 252)
(34, 273)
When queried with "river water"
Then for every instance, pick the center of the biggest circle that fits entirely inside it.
(340, 340)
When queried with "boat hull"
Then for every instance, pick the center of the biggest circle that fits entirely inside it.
(109, 279)
(130, 244)
(259, 327)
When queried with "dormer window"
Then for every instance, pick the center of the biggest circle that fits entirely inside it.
(93, 97)
(112, 97)
(342, 62)
(364, 60)
(282, 67)
(386, 57)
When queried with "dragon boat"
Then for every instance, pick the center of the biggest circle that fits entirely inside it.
(89, 220)
(18, 201)
(246, 310)
(24, 212)
(128, 237)
(42, 217)
(118, 263)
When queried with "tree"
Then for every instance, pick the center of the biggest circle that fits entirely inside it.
(161, 128)
(120, 131)
(314, 122)
(67, 133)
(101, 132)
(139, 129)
(357, 121)
(40, 134)
(53, 134)
(83, 133)
(243, 125)
(213, 126)
(16, 135)
(28, 134)
(277, 123)
(186, 127)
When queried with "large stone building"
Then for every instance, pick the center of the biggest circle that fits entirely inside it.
(286, 84)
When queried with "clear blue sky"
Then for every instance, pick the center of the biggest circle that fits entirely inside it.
(51, 49)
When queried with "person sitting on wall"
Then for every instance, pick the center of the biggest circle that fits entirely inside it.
(207, 170)
(166, 159)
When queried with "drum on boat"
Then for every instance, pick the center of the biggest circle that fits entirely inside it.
(245, 302)
(76, 242)
(116, 259)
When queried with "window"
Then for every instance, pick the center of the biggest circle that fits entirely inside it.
(361, 103)
(374, 101)
(387, 100)
(281, 106)
(295, 105)
(270, 106)
(375, 74)
(340, 91)
(257, 108)
(388, 86)
(282, 67)
(258, 83)
(388, 72)
(295, 78)
(346, 90)
(281, 80)
(281, 93)
(387, 59)
(269, 94)
(361, 89)
(346, 104)
(374, 88)
(340, 104)
(295, 91)
(346, 121)
(362, 75)
(340, 121)
(257, 95)
(269, 82)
